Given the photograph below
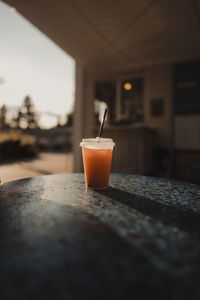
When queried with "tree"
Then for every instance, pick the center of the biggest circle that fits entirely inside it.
(69, 121)
(58, 117)
(26, 115)
(3, 121)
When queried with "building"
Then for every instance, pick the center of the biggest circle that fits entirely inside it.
(56, 139)
(142, 58)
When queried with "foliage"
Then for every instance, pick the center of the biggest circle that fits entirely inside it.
(15, 144)
(3, 121)
(70, 118)
(26, 116)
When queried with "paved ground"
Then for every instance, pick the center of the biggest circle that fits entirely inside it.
(44, 164)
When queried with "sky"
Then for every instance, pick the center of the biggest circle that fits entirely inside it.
(32, 64)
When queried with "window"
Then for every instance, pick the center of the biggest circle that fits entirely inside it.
(105, 92)
(187, 88)
(132, 100)
(124, 99)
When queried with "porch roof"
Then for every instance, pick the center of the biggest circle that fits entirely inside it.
(108, 34)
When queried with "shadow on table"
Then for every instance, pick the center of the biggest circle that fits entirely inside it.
(50, 250)
(184, 219)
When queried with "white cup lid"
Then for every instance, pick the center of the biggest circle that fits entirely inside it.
(97, 142)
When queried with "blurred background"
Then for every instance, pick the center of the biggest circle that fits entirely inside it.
(63, 62)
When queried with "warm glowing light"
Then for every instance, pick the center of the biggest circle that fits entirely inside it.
(127, 86)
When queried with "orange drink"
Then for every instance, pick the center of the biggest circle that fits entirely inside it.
(97, 157)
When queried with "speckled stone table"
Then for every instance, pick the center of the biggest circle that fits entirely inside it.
(138, 239)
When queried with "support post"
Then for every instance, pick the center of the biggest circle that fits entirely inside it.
(83, 113)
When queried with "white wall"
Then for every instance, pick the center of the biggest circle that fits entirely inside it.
(158, 83)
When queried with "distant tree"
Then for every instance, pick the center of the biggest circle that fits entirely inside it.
(58, 121)
(16, 120)
(70, 118)
(3, 121)
(26, 115)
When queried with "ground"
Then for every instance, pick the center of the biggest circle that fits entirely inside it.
(44, 164)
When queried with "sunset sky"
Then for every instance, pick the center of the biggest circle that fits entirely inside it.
(31, 64)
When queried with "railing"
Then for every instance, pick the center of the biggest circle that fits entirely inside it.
(134, 148)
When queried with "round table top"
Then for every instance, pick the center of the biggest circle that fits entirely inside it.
(59, 240)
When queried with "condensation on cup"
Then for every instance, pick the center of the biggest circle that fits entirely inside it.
(97, 158)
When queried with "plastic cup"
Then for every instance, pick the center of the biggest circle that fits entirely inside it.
(97, 158)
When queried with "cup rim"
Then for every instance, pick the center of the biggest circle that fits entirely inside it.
(97, 142)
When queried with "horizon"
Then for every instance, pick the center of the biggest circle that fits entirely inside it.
(12, 111)
(32, 64)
